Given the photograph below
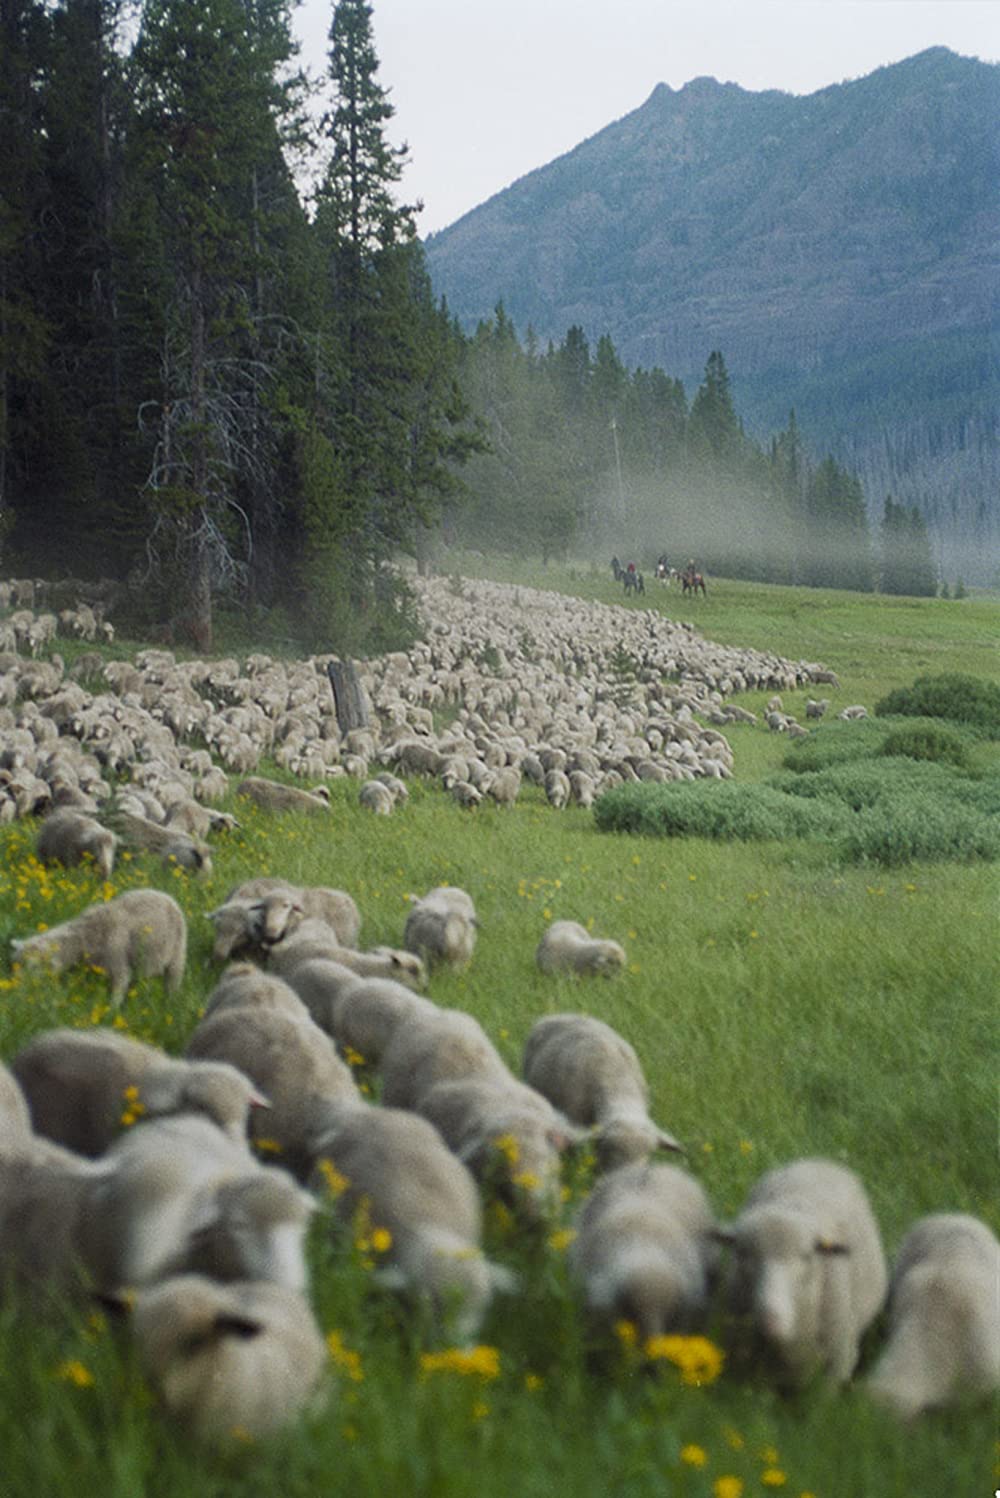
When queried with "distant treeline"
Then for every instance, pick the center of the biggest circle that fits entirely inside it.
(219, 391)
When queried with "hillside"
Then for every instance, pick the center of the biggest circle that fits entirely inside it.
(839, 248)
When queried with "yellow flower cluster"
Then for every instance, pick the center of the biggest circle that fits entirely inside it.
(335, 1183)
(75, 1372)
(481, 1362)
(344, 1357)
(134, 1109)
(699, 1360)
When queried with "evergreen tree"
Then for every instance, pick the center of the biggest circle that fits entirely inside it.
(714, 430)
(907, 563)
(836, 542)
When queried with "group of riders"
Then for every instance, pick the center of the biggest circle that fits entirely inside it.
(690, 579)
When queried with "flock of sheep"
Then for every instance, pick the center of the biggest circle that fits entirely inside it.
(123, 1167)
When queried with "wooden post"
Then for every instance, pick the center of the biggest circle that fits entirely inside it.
(349, 699)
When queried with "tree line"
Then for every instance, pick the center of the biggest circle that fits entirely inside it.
(225, 389)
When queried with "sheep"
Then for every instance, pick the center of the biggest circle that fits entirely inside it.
(853, 713)
(271, 795)
(313, 938)
(505, 786)
(816, 709)
(567, 947)
(230, 1362)
(440, 930)
(394, 784)
(467, 796)
(42, 1205)
(293, 1063)
(643, 1250)
(177, 1195)
(396, 1166)
(445, 1046)
(582, 787)
(198, 821)
(69, 837)
(245, 986)
(141, 931)
(359, 1013)
(81, 1084)
(944, 1317)
(508, 1135)
(586, 1069)
(557, 789)
(376, 797)
(15, 1119)
(170, 844)
(333, 906)
(809, 1271)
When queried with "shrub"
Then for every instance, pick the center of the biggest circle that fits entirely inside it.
(921, 828)
(963, 699)
(746, 813)
(942, 745)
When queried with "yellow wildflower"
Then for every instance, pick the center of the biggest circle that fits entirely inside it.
(532, 1382)
(75, 1372)
(773, 1477)
(699, 1360)
(733, 1438)
(481, 1361)
(344, 1357)
(509, 1147)
(353, 1057)
(268, 1146)
(727, 1487)
(336, 1183)
(381, 1240)
(480, 1409)
(694, 1456)
(627, 1333)
(527, 1180)
(561, 1239)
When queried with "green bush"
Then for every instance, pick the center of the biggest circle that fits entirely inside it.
(835, 744)
(962, 699)
(942, 745)
(708, 808)
(921, 828)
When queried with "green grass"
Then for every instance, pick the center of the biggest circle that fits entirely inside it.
(782, 1003)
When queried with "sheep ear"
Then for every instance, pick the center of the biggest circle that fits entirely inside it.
(258, 1100)
(563, 1137)
(722, 1235)
(824, 1246)
(665, 1141)
(214, 915)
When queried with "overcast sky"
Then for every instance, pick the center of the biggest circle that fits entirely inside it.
(487, 90)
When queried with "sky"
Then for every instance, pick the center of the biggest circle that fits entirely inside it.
(485, 91)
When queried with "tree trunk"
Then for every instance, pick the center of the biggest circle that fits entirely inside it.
(349, 698)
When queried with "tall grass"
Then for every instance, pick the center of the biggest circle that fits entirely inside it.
(782, 1003)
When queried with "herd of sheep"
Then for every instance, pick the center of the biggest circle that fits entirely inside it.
(190, 1180)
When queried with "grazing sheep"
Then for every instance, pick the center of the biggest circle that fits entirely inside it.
(944, 1317)
(586, 1069)
(466, 795)
(643, 1250)
(244, 986)
(230, 1362)
(178, 1196)
(809, 1268)
(440, 930)
(567, 947)
(508, 1135)
(414, 1187)
(198, 821)
(445, 1046)
(376, 797)
(816, 709)
(359, 1013)
(333, 906)
(141, 931)
(170, 844)
(853, 713)
(557, 789)
(505, 786)
(42, 1203)
(15, 1119)
(81, 1084)
(292, 1061)
(271, 795)
(313, 938)
(582, 788)
(69, 837)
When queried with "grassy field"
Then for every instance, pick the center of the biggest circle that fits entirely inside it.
(782, 1004)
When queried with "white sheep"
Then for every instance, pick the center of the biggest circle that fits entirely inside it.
(376, 797)
(359, 1013)
(508, 1135)
(82, 1086)
(944, 1317)
(592, 1074)
(313, 938)
(245, 986)
(440, 930)
(557, 789)
(170, 844)
(70, 837)
(643, 1250)
(294, 1064)
(230, 1362)
(568, 947)
(272, 795)
(142, 931)
(443, 1046)
(398, 1168)
(333, 906)
(809, 1267)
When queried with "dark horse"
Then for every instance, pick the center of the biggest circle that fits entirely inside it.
(691, 581)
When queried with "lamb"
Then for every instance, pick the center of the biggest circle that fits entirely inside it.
(376, 797)
(567, 947)
(141, 931)
(177, 1195)
(271, 795)
(333, 906)
(643, 1250)
(440, 930)
(586, 1069)
(245, 986)
(416, 1189)
(446, 1046)
(81, 1084)
(294, 1064)
(69, 837)
(944, 1317)
(171, 844)
(508, 1135)
(810, 1271)
(228, 1361)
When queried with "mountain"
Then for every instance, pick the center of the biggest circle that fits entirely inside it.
(841, 249)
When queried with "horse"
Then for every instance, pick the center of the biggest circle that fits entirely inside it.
(691, 581)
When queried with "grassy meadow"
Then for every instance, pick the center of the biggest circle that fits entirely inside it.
(783, 1002)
